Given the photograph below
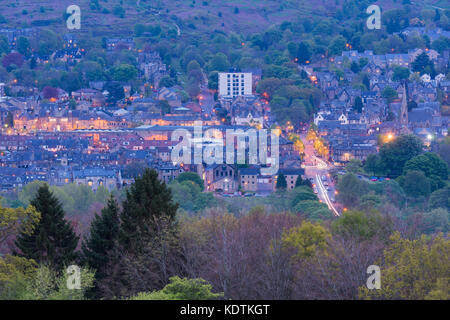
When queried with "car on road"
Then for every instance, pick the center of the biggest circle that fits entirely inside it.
(328, 188)
(325, 183)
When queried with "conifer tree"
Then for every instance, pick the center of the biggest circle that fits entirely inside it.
(148, 243)
(52, 241)
(281, 182)
(98, 248)
(147, 201)
(300, 182)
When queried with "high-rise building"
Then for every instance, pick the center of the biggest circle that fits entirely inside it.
(233, 84)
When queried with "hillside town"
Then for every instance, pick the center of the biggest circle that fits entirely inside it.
(85, 137)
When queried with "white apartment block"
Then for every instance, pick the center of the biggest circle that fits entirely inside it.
(235, 84)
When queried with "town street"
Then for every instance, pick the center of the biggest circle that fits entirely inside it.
(316, 170)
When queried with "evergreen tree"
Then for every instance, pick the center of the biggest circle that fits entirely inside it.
(366, 81)
(299, 182)
(358, 105)
(97, 250)
(53, 241)
(423, 64)
(9, 121)
(281, 182)
(147, 247)
(147, 200)
(303, 53)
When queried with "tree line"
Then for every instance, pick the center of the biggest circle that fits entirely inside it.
(141, 249)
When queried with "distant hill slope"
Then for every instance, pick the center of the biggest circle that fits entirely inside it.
(241, 16)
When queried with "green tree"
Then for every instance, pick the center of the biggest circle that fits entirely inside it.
(29, 191)
(167, 82)
(48, 42)
(15, 220)
(192, 177)
(182, 289)
(416, 184)
(313, 210)
(193, 65)
(4, 45)
(23, 46)
(354, 166)
(281, 182)
(306, 240)
(400, 73)
(423, 64)
(213, 80)
(123, 72)
(361, 226)
(9, 121)
(358, 105)
(52, 240)
(436, 221)
(395, 154)
(372, 164)
(432, 166)
(303, 52)
(146, 200)
(115, 91)
(440, 198)
(47, 284)
(164, 106)
(350, 189)
(337, 46)
(98, 248)
(102, 194)
(219, 62)
(15, 273)
(389, 94)
(412, 269)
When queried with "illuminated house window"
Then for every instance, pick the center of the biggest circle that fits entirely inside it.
(90, 183)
